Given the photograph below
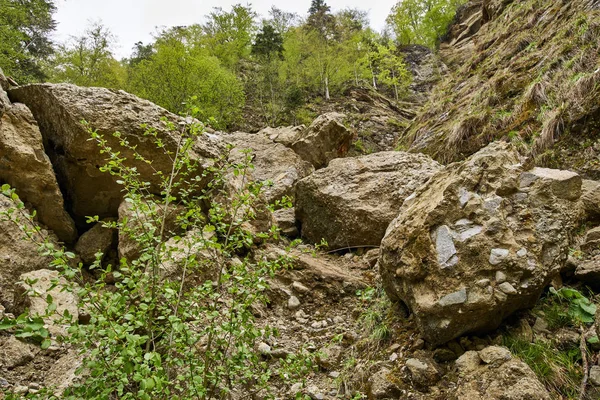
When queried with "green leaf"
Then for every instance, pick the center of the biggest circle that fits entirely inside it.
(45, 344)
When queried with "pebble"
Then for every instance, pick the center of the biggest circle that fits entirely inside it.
(264, 348)
(297, 286)
(338, 320)
(293, 303)
(334, 374)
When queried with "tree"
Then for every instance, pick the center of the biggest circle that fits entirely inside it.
(422, 21)
(228, 35)
(88, 60)
(392, 71)
(25, 29)
(178, 71)
(268, 43)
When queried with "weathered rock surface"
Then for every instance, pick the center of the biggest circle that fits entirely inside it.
(353, 200)
(4, 101)
(285, 135)
(285, 218)
(141, 221)
(272, 162)
(14, 352)
(25, 166)
(32, 291)
(479, 241)
(97, 240)
(588, 272)
(493, 374)
(18, 254)
(325, 139)
(59, 110)
(590, 196)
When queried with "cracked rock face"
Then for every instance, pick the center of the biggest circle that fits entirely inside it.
(60, 109)
(25, 166)
(479, 241)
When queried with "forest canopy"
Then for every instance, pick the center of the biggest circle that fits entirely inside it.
(231, 59)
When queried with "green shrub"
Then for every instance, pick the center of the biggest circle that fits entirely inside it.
(159, 334)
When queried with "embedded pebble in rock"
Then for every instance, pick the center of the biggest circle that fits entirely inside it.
(498, 255)
(507, 288)
(293, 303)
(338, 320)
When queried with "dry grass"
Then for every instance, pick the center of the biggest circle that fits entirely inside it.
(553, 126)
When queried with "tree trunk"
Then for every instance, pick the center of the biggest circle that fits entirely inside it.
(373, 74)
(327, 88)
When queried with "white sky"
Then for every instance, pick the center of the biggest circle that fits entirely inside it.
(135, 20)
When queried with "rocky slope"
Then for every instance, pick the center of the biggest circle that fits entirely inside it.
(431, 288)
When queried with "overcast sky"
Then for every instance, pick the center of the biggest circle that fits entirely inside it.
(135, 20)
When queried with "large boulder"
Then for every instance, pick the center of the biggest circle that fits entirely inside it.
(99, 239)
(25, 166)
(18, 254)
(272, 162)
(352, 201)
(494, 374)
(325, 139)
(60, 110)
(479, 241)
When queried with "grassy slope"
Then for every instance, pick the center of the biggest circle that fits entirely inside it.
(530, 75)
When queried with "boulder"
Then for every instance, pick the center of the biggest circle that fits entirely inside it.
(18, 254)
(479, 241)
(590, 196)
(352, 201)
(4, 100)
(60, 110)
(493, 374)
(325, 139)
(25, 166)
(272, 162)
(97, 240)
(3, 81)
(31, 294)
(286, 135)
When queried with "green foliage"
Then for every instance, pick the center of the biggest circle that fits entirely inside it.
(228, 34)
(422, 21)
(376, 317)
(25, 29)
(88, 61)
(180, 71)
(28, 328)
(179, 322)
(581, 310)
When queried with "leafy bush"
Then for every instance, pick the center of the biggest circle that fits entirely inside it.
(178, 322)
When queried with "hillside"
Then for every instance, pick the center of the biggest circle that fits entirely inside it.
(320, 232)
(520, 71)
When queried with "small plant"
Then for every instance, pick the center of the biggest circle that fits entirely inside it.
(27, 328)
(580, 309)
